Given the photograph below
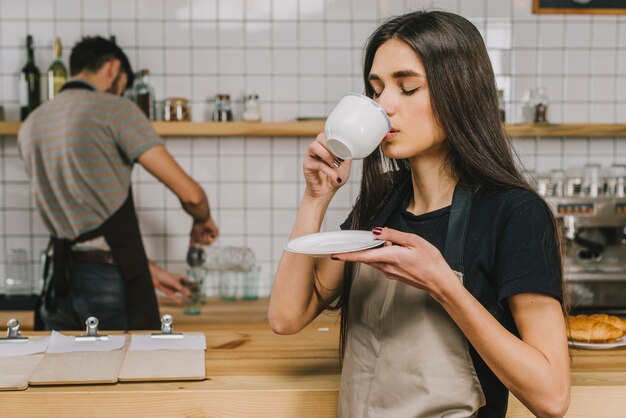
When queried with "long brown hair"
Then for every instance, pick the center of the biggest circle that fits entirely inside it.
(464, 101)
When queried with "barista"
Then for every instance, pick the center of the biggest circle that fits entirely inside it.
(79, 150)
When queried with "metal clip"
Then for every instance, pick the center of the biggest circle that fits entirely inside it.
(167, 328)
(13, 332)
(91, 331)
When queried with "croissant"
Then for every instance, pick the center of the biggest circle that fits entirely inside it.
(584, 328)
(616, 321)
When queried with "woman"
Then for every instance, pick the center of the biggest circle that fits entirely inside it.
(464, 301)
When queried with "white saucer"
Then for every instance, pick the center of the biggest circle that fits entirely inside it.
(620, 342)
(335, 242)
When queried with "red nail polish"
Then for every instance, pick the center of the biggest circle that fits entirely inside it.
(338, 180)
(377, 231)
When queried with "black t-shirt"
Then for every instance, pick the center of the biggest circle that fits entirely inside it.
(510, 248)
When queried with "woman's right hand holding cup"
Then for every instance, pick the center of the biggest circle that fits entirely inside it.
(323, 172)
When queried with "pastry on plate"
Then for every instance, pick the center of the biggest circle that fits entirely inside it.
(584, 328)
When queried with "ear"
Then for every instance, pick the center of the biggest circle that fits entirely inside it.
(114, 67)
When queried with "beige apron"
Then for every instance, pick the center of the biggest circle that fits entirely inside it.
(405, 356)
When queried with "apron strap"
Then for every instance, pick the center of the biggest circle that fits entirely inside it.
(457, 226)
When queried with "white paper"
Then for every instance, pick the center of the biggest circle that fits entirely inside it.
(60, 343)
(34, 345)
(190, 341)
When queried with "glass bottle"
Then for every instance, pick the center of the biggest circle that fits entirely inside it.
(527, 109)
(541, 106)
(29, 85)
(223, 110)
(501, 106)
(57, 72)
(252, 112)
(143, 93)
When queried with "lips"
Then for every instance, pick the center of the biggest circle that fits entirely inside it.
(393, 132)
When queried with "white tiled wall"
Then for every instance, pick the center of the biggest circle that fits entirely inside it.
(300, 56)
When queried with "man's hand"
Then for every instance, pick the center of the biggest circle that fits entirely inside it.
(168, 283)
(204, 232)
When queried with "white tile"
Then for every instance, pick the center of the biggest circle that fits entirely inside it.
(258, 61)
(577, 88)
(204, 34)
(285, 111)
(150, 9)
(177, 33)
(14, 169)
(258, 195)
(95, 9)
(261, 85)
(39, 227)
(176, 246)
(551, 35)
(230, 9)
(95, 28)
(43, 36)
(230, 222)
(285, 195)
(204, 89)
(150, 34)
(39, 9)
(312, 62)
(230, 34)
(258, 34)
(554, 87)
(286, 169)
(498, 35)
(545, 163)
(603, 89)
(231, 61)
(258, 9)
(203, 9)
(151, 196)
(232, 146)
(69, 32)
(621, 61)
(312, 9)
(311, 88)
(284, 10)
(64, 9)
(312, 110)
(337, 9)
(603, 62)
(576, 146)
(338, 35)
(285, 88)
(17, 196)
(551, 61)
(575, 113)
(178, 10)
(621, 35)
(361, 31)
(13, 9)
(499, 9)
(311, 34)
(152, 59)
(364, 9)
(285, 61)
(121, 9)
(284, 34)
(396, 7)
(577, 35)
(177, 61)
(500, 61)
(231, 195)
(604, 35)
(525, 35)
(204, 61)
(338, 62)
(231, 169)
(577, 61)
(602, 146)
(13, 33)
(472, 8)
(125, 33)
(258, 168)
(524, 62)
(155, 247)
(549, 146)
(602, 113)
(175, 86)
(282, 220)
(621, 89)
(258, 221)
(337, 87)
(17, 222)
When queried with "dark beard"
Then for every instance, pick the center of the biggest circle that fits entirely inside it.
(114, 85)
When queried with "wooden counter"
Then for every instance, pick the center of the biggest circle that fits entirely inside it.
(253, 372)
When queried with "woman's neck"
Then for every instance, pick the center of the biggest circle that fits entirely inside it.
(433, 185)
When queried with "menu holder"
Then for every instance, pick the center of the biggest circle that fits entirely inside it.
(164, 356)
(15, 372)
(83, 359)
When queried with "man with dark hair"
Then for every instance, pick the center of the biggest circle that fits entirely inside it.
(79, 150)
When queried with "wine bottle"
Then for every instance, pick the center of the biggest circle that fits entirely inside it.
(57, 72)
(143, 94)
(30, 92)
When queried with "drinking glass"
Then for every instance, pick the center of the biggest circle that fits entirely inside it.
(251, 283)
(17, 280)
(229, 284)
(194, 282)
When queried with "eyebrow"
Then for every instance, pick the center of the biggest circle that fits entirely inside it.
(397, 74)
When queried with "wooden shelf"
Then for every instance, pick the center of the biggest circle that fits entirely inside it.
(313, 127)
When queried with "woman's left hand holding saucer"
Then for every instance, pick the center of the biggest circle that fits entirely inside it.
(408, 258)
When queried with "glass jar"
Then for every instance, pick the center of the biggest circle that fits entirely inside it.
(143, 94)
(176, 109)
(223, 109)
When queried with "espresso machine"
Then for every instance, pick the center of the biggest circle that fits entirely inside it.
(592, 212)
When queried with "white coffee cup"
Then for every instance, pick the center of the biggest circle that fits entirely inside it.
(355, 127)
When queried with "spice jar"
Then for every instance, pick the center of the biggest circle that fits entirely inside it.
(176, 109)
(223, 110)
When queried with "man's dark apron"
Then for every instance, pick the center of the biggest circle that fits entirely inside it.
(121, 232)
(405, 356)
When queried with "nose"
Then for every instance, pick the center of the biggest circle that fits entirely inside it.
(387, 102)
